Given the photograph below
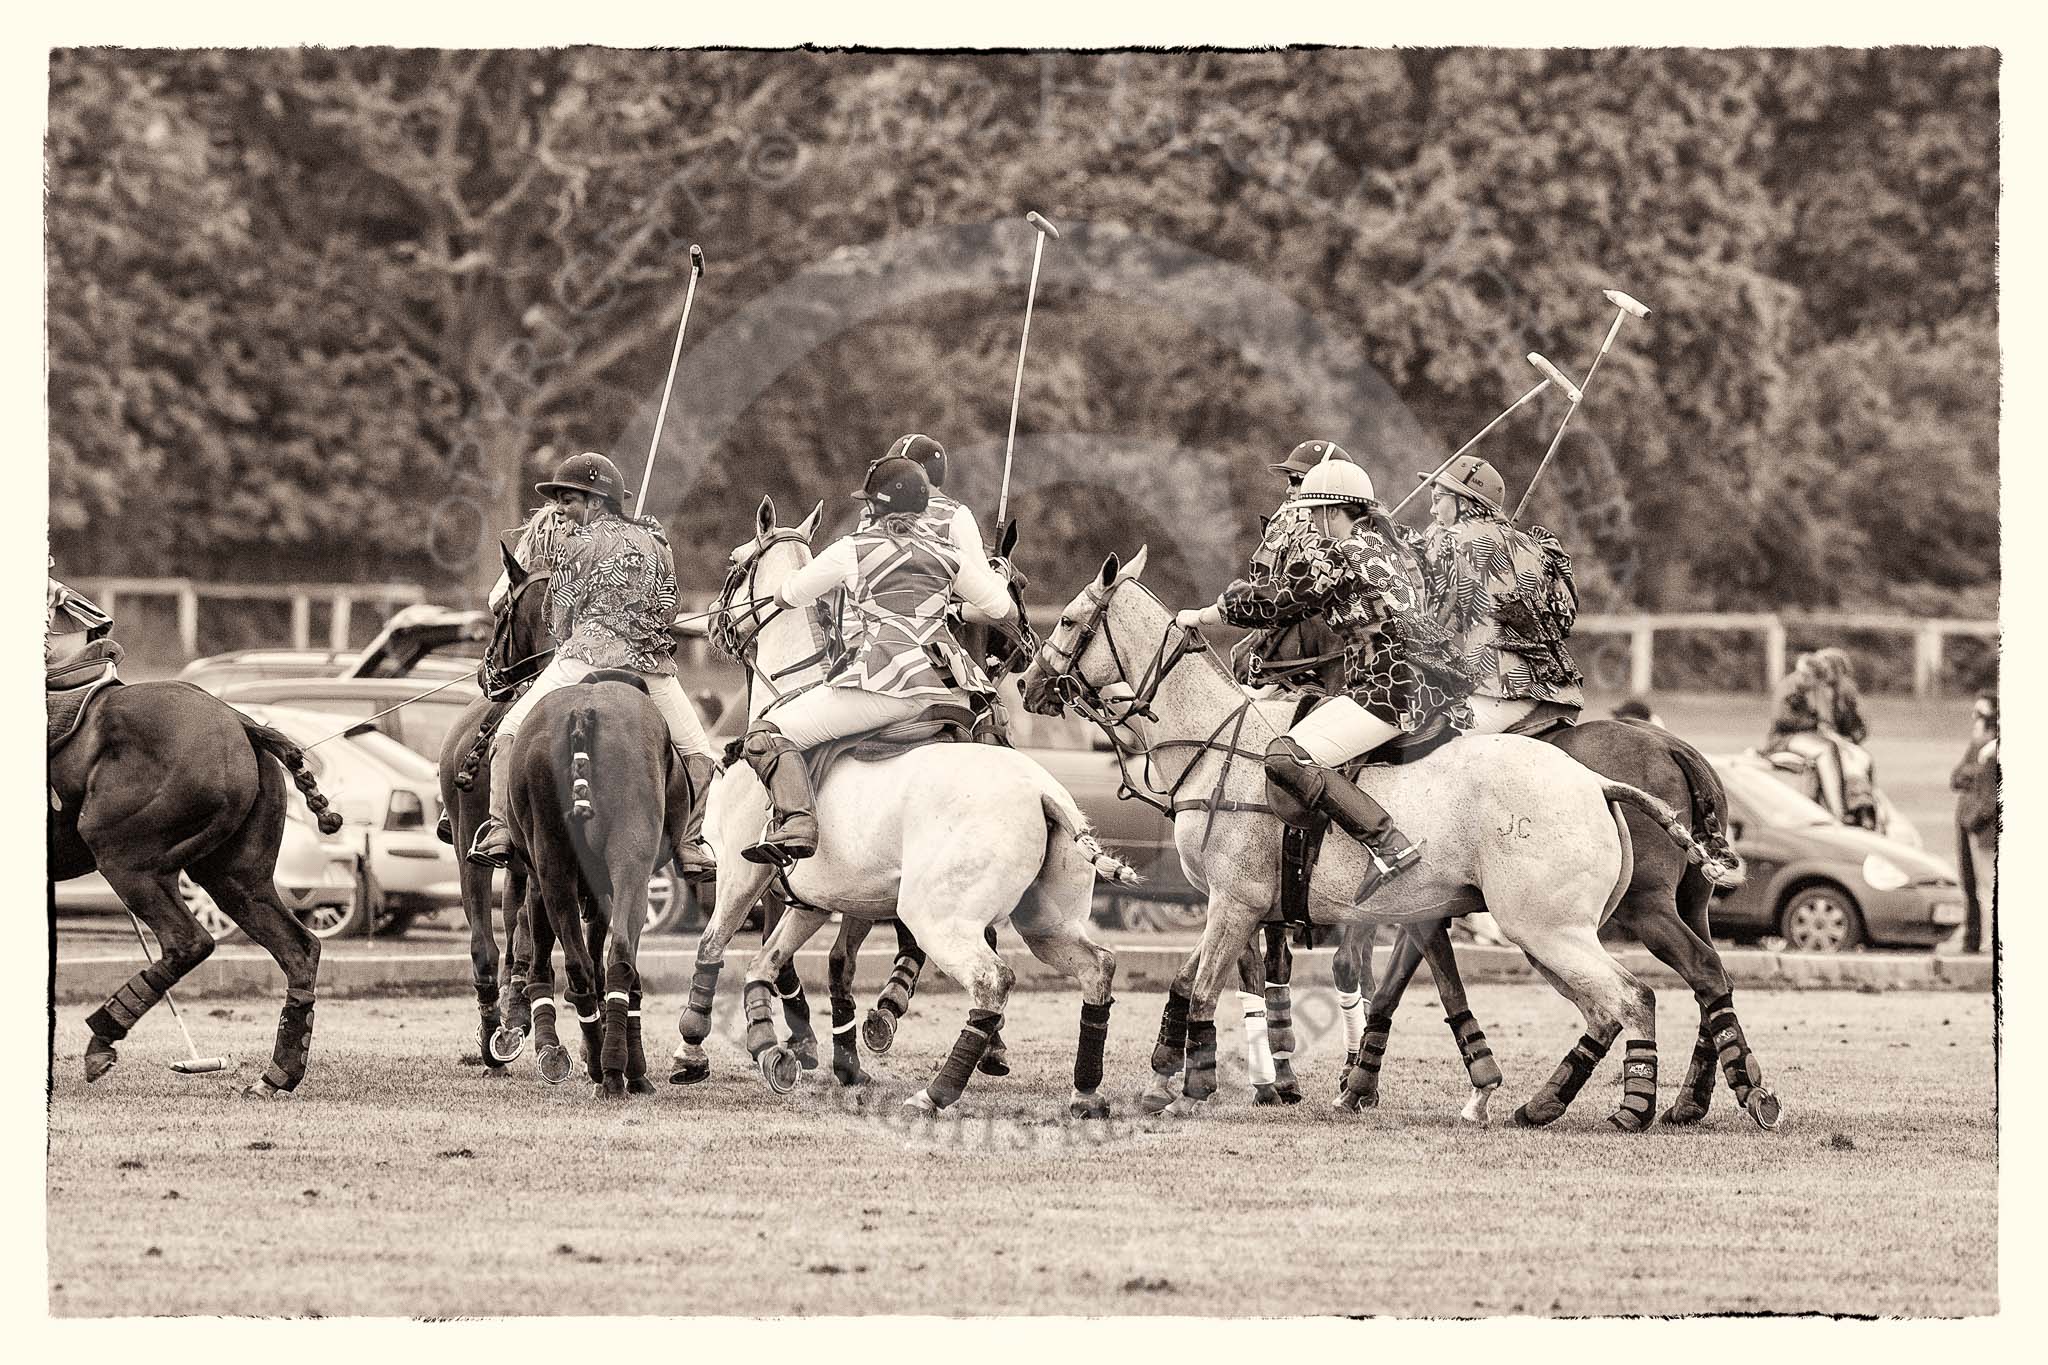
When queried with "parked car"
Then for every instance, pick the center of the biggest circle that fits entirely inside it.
(1820, 885)
(218, 671)
(420, 723)
(316, 878)
(408, 644)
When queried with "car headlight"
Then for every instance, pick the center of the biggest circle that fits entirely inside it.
(1883, 874)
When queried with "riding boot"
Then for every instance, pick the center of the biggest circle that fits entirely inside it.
(693, 857)
(793, 832)
(492, 846)
(1313, 787)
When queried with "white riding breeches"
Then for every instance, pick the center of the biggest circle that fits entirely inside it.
(824, 713)
(685, 730)
(1493, 715)
(1340, 730)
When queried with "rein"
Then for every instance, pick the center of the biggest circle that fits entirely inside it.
(737, 633)
(500, 681)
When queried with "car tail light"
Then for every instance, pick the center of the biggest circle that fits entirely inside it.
(405, 811)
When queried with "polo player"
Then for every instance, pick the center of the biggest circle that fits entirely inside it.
(1351, 567)
(1277, 538)
(902, 659)
(1507, 597)
(610, 604)
(543, 542)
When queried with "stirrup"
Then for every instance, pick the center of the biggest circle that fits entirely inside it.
(490, 857)
(1385, 870)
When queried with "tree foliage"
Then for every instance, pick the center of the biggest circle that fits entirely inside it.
(328, 313)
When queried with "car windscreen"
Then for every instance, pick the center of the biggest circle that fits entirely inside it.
(1774, 802)
(394, 755)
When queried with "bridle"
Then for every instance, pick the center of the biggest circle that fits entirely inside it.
(739, 614)
(1059, 667)
(500, 681)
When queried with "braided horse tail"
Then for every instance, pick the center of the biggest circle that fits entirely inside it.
(269, 741)
(1675, 827)
(582, 738)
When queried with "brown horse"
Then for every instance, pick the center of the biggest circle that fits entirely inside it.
(163, 778)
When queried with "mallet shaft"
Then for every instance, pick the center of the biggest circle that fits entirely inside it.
(1465, 447)
(668, 385)
(1017, 389)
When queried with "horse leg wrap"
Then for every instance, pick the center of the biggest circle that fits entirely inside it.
(846, 1067)
(796, 1010)
(1351, 1005)
(519, 1013)
(636, 1049)
(1363, 1079)
(613, 1050)
(590, 1022)
(695, 1021)
(1173, 1035)
(486, 993)
(1696, 1092)
(541, 1009)
(902, 984)
(1094, 1038)
(1200, 1082)
(1638, 1087)
(1738, 1063)
(294, 1042)
(112, 1020)
(1472, 1046)
(1556, 1094)
(965, 1056)
(758, 1000)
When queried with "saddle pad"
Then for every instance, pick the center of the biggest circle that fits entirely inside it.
(1549, 720)
(939, 723)
(67, 707)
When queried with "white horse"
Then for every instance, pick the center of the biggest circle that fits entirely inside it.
(949, 838)
(1509, 825)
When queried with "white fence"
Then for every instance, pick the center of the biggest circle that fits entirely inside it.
(339, 598)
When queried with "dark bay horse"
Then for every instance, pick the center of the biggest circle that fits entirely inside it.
(163, 778)
(1665, 907)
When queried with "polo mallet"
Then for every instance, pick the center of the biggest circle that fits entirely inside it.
(1551, 375)
(1045, 229)
(689, 297)
(194, 1064)
(1624, 307)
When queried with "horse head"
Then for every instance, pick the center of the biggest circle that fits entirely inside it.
(520, 643)
(776, 646)
(1081, 656)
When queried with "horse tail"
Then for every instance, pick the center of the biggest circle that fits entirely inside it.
(1714, 867)
(582, 739)
(293, 758)
(1709, 805)
(1063, 815)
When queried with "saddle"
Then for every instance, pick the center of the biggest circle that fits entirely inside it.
(939, 723)
(69, 687)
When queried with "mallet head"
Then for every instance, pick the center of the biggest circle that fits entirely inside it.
(199, 1066)
(1625, 303)
(1039, 221)
(696, 258)
(1555, 376)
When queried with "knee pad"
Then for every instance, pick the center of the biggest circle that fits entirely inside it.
(1294, 781)
(763, 745)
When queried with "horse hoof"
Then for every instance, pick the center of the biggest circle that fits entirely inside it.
(1763, 1107)
(922, 1103)
(506, 1045)
(553, 1061)
(1157, 1094)
(1474, 1111)
(878, 1031)
(1263, 1095)
(1087, 1106)
(851, 1076)
(1289, 1092)
(639, 1085)
(1541, 1117)
(689, 1073)
(99, 1060)
(612, 1087)
(806, 1053)
(994, 1063)
(1683, 1113)
(779, 1068)
(264, 1090)
(1347, 1103)
(1185, 1107)
(496, 1073)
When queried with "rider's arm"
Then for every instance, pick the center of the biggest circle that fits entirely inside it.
(835, 566)
(967, 536)
(1313, 575)
(983, 591)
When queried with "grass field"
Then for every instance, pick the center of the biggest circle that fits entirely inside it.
(404, 1183)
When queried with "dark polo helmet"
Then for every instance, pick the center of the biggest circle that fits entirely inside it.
(929, 454)
(1474, 477)
(589, 472)
(896, 484)
(1309, 454)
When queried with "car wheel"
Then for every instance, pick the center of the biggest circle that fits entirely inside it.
(664, 903)
(340, 921)
(1820, 919)
(210, 916)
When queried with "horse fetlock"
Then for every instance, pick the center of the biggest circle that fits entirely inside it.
(757, 1001)
(1157, 1094)
(1480, 1065)
(689, 1065)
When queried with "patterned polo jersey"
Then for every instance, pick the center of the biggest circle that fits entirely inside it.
(897, 635)
(614, 596)
(1495, 595)
(1371, 591)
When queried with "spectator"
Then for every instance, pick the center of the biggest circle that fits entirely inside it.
(1975, 780)
(1635, 708)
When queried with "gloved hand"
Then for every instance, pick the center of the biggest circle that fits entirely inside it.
(1194, 618)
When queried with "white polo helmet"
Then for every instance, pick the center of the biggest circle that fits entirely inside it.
(1334, 481)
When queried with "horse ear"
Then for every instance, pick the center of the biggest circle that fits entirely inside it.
(513, 573)
(1137, 564)
(1109, 571)
(1007, 541)
(764, 518)
(809, 526)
